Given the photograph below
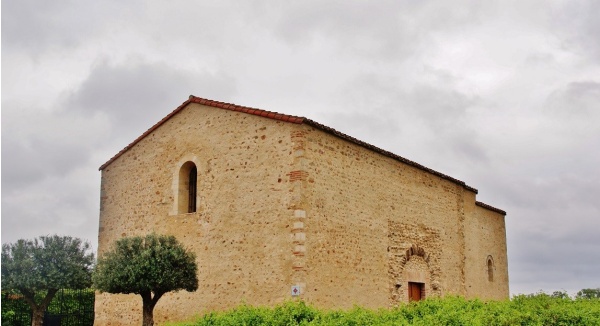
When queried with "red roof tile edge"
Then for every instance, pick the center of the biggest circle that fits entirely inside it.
(292, 119)
(491, 208)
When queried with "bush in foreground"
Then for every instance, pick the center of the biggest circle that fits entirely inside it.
(538, 309)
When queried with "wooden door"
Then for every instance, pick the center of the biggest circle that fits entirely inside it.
(414, 291)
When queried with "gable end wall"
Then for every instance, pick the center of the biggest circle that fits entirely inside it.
(244, 230)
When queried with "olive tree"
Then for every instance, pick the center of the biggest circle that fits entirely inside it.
(45, 265)
(149, 266)
(588, 294)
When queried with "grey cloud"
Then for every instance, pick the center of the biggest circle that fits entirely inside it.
(542, 187)
(377, 31)
(443, 108)
(37, 144)
(439, 108)
(344, 24)
(568, 261)
(137, 95)
(576, 100)
(577, 22)
(37, 26)
(439, 116)
(466, 146)
(29, 160)
(552, 221)
(552, 164)
(54, 204)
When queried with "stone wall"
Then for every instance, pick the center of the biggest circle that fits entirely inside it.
(361, 208)
(243, 230)
(486, 239)
(283, 204)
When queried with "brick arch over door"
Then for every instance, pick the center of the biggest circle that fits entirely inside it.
(397, 270)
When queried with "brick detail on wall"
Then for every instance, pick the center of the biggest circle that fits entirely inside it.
(298, 175)
(414, 255)
(298, 139)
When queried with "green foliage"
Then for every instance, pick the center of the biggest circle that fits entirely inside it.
(45, 265)
(538, 309)
(15, 310)
(560, 294)
(75, 306)
(47, 262)
(149, 266)
(154, 263)
(589, 294)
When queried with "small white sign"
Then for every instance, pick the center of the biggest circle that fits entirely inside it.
(295, 290)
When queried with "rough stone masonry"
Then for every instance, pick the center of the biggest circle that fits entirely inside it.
(282, 202)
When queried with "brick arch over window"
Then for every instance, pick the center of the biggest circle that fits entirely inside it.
(490, 268)
(187, 188)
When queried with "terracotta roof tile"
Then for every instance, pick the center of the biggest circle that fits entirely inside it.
(296, 120)
(491, 208)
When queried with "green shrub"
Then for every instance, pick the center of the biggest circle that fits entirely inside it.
(537, 309)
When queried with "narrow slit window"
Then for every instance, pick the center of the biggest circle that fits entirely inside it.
(192, 180)
(188, 188)
(490, 269)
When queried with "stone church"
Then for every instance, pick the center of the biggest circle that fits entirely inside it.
(279, 207)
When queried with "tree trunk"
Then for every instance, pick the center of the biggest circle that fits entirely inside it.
(148, 316)
(37, 311)
(148, 307)
(37, 316)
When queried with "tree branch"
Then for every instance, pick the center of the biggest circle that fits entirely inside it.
(29, 297)
(49, 296)
(157, 296)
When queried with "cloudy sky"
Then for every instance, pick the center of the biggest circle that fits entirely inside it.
(504, 95)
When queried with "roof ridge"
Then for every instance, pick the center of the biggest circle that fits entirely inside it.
(286, 118)
(246, 109)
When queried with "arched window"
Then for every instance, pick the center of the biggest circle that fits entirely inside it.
(490, 269)
(193, 177)
(188, 185)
